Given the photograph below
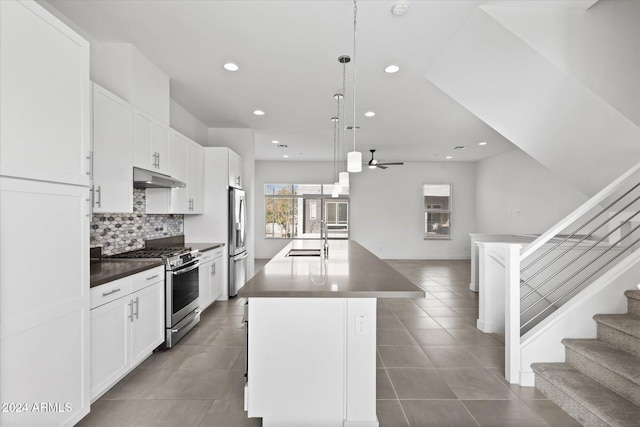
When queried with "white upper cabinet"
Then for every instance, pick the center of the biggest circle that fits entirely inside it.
(150, 143)
(196, 178)
(44, 70)
(179, 156)
(187, 166)
(112, 152)
(236, 165)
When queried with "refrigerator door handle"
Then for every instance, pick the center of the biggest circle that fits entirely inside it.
(237, 258)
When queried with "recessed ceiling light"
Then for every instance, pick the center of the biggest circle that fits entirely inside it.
(230, 66)
(482, 143)
(392, 69)
(285, 156)
(275, 142)
(369, 114)
(448, 157)
(259, 113)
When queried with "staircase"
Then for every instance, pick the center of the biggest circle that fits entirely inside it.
(599, 384)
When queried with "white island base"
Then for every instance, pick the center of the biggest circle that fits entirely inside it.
(312, 362)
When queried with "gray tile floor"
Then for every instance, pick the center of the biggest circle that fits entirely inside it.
(434, 367)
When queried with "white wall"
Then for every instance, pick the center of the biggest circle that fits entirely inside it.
(387, 210)
(537, 106)
(386, 215)
(600, 46)
(514, 182)
(185, 123)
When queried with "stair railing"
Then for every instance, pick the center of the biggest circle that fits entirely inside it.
(545, 274)
(579, 248)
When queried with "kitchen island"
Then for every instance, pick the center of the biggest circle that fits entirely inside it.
(312, 335)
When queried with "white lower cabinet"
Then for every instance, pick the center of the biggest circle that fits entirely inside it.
(211, 270)
(147, 328)
(127, 324)
(110, 335)
(44, 304)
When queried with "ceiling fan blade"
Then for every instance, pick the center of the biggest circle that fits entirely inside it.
(381, 166)
(391, 164)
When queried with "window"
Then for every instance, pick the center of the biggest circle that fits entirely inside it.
(437, 211)
(291, 209)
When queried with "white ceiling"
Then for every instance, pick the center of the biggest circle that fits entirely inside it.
(287, 52)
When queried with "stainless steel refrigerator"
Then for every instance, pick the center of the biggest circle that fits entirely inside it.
(237, 246)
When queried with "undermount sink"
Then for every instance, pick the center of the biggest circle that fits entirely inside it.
(304, 252)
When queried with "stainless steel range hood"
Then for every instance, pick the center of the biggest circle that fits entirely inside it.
(143, 178)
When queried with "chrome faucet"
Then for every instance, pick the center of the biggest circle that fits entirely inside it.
(325, 246)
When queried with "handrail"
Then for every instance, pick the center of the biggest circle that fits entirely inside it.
(584, 225)
(591, 275)
(568, 264)
(580, 211)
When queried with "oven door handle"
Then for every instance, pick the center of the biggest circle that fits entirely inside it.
(186, 270)
(175, 331)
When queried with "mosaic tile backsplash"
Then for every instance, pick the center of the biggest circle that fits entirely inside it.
(122, 232)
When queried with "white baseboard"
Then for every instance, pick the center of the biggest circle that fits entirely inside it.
(348, 423)
(486, 327)
(527, 379)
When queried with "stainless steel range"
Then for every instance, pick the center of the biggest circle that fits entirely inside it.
(182, 311)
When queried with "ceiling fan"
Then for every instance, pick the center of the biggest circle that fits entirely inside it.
(374, 163)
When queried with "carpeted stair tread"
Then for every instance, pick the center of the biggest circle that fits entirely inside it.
(632, 294)
(611, 358)
(595, 398)
(627, 323)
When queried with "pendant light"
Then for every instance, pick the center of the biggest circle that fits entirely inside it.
(343, 176)
(354, 158)
(335, 192)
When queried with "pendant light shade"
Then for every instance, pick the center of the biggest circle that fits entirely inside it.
(354, 161)
(344, 179)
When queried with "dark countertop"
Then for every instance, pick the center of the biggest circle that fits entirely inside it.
(202, 247)
(350, 271)
(108, 270)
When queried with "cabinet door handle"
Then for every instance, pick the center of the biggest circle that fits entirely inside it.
(90, 159)
(137, 306)
(158, 160)
(130, 316)
(105, 294)
(99, 201)
(92, 190)
(213, 269)
(153, 277)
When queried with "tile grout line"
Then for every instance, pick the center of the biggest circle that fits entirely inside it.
(391, 382)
